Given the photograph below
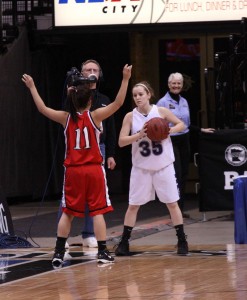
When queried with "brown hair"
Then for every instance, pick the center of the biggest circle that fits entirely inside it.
(78, 98)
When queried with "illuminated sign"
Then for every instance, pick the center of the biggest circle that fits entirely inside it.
(114, 12)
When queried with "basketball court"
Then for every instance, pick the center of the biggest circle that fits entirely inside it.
(214, 269)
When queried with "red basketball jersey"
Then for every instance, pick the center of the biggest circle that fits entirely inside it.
(82, 141)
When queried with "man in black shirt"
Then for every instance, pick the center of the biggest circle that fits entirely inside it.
(108, 136)
(107, 139)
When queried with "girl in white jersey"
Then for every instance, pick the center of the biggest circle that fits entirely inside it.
(152, 168)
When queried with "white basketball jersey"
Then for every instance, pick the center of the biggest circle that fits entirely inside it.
(145, 153)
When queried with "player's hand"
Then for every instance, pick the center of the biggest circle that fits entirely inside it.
(127, 72)
(28, 80)
(111, 164)
(143, 131)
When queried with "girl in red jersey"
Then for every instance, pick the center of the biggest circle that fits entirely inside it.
(84, 176)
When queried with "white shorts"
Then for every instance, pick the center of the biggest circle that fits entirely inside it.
(144, 184)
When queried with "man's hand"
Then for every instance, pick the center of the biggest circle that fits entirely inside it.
(111, 164)
(208, 130)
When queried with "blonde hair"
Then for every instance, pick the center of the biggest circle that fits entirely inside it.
(147, 87)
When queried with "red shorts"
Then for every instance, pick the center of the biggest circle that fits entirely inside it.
(85, 184)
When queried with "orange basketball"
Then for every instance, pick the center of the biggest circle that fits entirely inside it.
(157, 129)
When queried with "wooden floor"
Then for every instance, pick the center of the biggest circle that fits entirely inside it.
(154, 272)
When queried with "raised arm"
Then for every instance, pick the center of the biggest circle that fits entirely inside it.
(54, 115)
(102, 113)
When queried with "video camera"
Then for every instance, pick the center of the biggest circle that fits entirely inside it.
(75, 78)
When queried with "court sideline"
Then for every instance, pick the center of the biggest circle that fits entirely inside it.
(214, 269)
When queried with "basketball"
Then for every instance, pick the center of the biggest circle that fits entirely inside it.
(157, 129)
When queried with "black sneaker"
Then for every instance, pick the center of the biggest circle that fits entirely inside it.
(57, 261)
(122, 249)
(105, 257)
(182, 247)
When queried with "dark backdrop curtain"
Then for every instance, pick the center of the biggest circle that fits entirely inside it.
(15, 121)
(28, 139)
(32, 147)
